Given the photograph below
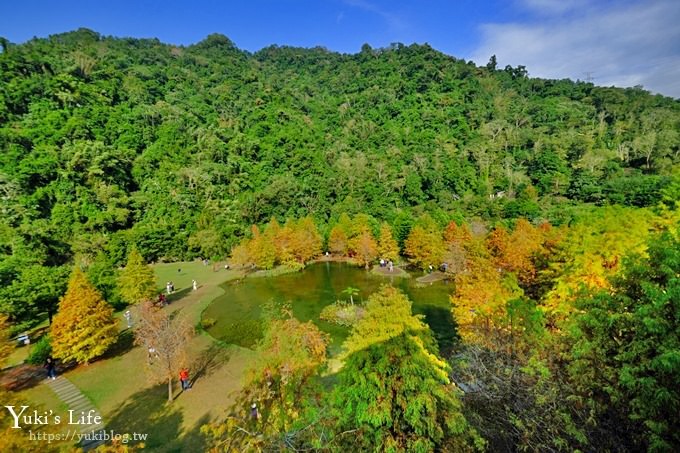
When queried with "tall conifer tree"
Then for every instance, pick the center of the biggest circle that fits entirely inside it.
(137, 282)
(84, 327)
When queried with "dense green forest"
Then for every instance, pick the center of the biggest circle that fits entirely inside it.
(109, 141)
(559, 200)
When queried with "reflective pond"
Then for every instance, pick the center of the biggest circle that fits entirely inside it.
(237, 313)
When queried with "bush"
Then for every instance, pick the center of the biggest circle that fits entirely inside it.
(207, 323)
(40, 351)
(342, 314)
(283, 269)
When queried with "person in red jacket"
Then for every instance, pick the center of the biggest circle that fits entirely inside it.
(184, 378)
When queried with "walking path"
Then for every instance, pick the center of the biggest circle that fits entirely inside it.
(80, 405)
(432, 277)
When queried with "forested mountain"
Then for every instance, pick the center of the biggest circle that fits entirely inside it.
(108, 142)
(551, 205)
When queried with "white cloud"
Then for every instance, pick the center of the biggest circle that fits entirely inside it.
(393, 20)
(553, 6)
(622, 43)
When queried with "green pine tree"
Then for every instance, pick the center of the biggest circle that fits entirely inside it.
(394, 390)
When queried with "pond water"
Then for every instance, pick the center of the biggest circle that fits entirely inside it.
(237, 313)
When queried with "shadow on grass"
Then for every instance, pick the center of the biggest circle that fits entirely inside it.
(148, 413)
(124, 343)
(177, 295)
(211, 359)
(194, 440)
(22, 377)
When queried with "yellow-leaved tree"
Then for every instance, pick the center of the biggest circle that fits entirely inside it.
(365, 248)
(387, 246)
(137, 282)
(261, 249)
(285, 243)
(457, 242)
(337, 241)
(240, 254)
(307, 240)
(83, 327)
(424, 247)
(340, 234)
(591, 253)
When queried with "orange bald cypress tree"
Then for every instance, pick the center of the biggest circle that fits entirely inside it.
(365, 248)
(261, 249)
(137, 282)
(307, 240)
(84, 326)
(337, 241)
(457, 243)
(387, 245)
(424, 247)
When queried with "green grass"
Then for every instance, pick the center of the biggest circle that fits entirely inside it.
(278, 270)
(129, 401)
(396, 272)
(21, 353)
(18, 356)
(181, 274)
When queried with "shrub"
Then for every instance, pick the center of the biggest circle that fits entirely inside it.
(40, 351)
(342, 314)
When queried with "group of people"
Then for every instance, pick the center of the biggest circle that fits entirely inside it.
(387, 263)
(170, 287)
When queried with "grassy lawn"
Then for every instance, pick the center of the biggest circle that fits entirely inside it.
(119, 386)
(18, 356)
(21, 353)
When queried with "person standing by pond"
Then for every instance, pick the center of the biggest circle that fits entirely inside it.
(128, 318)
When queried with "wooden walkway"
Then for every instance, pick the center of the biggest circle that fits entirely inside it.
(79, 404)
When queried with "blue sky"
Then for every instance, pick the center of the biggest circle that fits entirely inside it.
(616, 42)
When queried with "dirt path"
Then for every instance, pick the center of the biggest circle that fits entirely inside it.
(432, 277)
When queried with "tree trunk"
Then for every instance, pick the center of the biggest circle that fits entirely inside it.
(169, 390)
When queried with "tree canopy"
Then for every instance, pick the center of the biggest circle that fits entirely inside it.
(84, 327)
